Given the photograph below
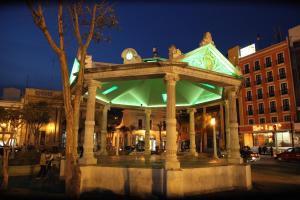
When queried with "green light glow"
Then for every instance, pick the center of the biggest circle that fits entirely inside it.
(75, 69)
(152, 93)
(164, 96)
(209, 58)
(113, 88)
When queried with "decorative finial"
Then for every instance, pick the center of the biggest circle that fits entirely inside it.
(173, 52)
(206, 39)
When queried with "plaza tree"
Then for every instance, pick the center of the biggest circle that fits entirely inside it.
(88, 23)
(14, 117)
(36, 115)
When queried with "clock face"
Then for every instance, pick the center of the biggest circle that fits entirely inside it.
(129, 55)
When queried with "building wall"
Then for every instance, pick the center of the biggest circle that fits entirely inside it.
(282, 115)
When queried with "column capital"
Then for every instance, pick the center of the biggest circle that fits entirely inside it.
(93, 83)
(148, 111)
(231, 92)
(191, 110)
(106, 107)
(171, 78)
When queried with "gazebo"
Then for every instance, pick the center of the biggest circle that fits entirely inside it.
(182, 80)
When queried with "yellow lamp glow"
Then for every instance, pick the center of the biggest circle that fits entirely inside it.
(213, 121)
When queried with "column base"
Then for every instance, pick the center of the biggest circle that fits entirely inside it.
(193, 153)
(103, 153)
(172, 165)
(88, 160)
(235, 160)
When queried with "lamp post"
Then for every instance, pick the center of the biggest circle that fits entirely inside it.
(213, 123)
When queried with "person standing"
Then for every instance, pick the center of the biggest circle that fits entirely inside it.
(43, 162)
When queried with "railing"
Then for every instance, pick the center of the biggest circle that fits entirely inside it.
(268, 64)
(258, 82)
(260, 96)
(248, 98)
(257, 67)
(285, 108)
(283, 92)
(272, 94)
(282, 76)
(280, 61)
(270, 79)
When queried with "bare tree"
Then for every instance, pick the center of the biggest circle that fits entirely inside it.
(36, 115)
(88, 22)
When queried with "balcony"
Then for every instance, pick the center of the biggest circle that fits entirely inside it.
(271, 94)
(247, 84)
(282, 76)
(257, 67)
(283, 92)
(261, 111)
(258, 82)
(249, 98)
(286, 108)
(250, 112)
(260, 96)
(280, 61)
(268, 64)
(270, 79)
(272, 109)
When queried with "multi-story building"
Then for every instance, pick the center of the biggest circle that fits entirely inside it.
(267, 98)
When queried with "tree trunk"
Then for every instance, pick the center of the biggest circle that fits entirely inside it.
(5, 168)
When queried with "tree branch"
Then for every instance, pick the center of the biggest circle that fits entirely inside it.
(60, 25)
(92, 27)
(76, 25)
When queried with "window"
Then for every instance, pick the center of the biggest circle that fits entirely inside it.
(251, 121)
(261, 108)
(280, 58)
(140, 122)
(249, 96)
(164, 125)
(256, 65)
(271, 91)
(247, 82)
(287, 118)
(268, 62)
(282, 74)
(250, 110)
(258, 79)
(246, 68)
(284, 89)
(259, 93)
(272, 106)
(286, 104)
(274, 119)
(262, 120)
(269, 76)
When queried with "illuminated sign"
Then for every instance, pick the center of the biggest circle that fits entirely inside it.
(266, 127)
(247, 50)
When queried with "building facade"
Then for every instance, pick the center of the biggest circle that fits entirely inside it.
(267, 101)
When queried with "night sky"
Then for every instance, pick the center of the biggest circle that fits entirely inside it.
(26, 59)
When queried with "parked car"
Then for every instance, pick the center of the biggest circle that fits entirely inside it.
(291, 154)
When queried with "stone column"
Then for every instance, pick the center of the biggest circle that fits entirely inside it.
(226, 103)
(222, 133)
(88, 154)
(235, 157)
(204, 142)
(103, 135)
(192, 131)
(147, 133)
(171, 147)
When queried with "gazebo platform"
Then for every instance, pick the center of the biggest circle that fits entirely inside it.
(136, 176)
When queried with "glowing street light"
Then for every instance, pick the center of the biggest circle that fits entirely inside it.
(213, 123)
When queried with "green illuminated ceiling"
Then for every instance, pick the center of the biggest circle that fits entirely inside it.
(152, 93)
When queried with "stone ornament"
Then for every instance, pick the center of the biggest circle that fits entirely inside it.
(173, 52)
(207, 38)
(130, 56)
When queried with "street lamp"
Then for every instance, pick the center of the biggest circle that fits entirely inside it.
(213, 123)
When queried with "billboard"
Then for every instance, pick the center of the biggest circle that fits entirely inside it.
(247, 50)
